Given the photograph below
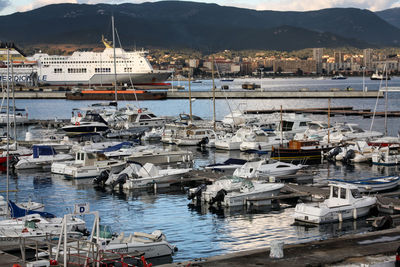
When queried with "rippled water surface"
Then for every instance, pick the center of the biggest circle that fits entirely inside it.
(202, 232)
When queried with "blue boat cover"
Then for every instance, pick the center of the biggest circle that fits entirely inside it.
(117, 147)
(17, 212)
(42, 151)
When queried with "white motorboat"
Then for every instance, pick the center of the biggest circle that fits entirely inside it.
(348, 132)
(374, 184)
(229, 165)
(358, 151)
(91, 123)
(36, 228)
(20, 116)
(316, 131)
(135, 176)
(344, 203)
(387, 156)
(193, 136)
(263, 170)
(234, 191)
(291, 125)
(142, 117)
(42, 157)
(379, 76)
(153, 135)
(233, 142)
(159, 156)
(104, 146)
(152, 245)
(86, 165)
(85, 127)
(259, 141)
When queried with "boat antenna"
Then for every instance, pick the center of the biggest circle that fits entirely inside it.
(115, 63)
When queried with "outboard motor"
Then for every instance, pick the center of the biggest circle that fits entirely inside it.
(122, 178)
(382, 223)
(102, 178)
(331, 155)
(204, 141)
(350, 154)
(197, 193)
(219, 197)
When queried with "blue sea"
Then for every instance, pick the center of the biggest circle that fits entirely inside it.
(200, 233)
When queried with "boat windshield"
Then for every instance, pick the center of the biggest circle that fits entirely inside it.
(355, 193)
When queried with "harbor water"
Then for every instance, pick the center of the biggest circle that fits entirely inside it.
(203, 232)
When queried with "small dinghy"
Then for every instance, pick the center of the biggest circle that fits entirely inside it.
(374, 184)
(345, 202)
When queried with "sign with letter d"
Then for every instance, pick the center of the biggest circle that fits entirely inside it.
(81, 208)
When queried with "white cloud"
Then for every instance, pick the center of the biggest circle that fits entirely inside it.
(4, 4)
(303, 5)
(39, 3)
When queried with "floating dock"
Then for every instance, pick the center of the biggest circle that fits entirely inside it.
(346, 250)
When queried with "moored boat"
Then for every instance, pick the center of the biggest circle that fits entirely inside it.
(345, 202)
(374, 184)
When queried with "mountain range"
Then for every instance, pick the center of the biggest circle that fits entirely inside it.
(200, 26)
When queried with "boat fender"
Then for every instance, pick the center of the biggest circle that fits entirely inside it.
(77, 123)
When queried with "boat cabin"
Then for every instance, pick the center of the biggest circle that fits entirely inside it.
(342, 195)
(85, 158)
(299, 144)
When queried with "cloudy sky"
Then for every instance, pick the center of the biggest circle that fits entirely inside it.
(11, 6)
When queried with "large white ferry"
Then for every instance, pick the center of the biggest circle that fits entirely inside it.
(81, 68)
(97, 68)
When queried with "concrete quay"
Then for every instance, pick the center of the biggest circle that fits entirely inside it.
(344, 251)
(273, 94)
(53, 94)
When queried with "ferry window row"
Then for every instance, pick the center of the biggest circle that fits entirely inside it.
(102, 69)
(85, 62)
(82, 70)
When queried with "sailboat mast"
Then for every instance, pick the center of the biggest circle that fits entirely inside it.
(386, 100)
(13, 97)
(115, 63)
(8, 126)
(329, 120)
(213, 93)
(190, 97)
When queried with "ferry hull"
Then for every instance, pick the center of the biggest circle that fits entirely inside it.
(109, 79)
